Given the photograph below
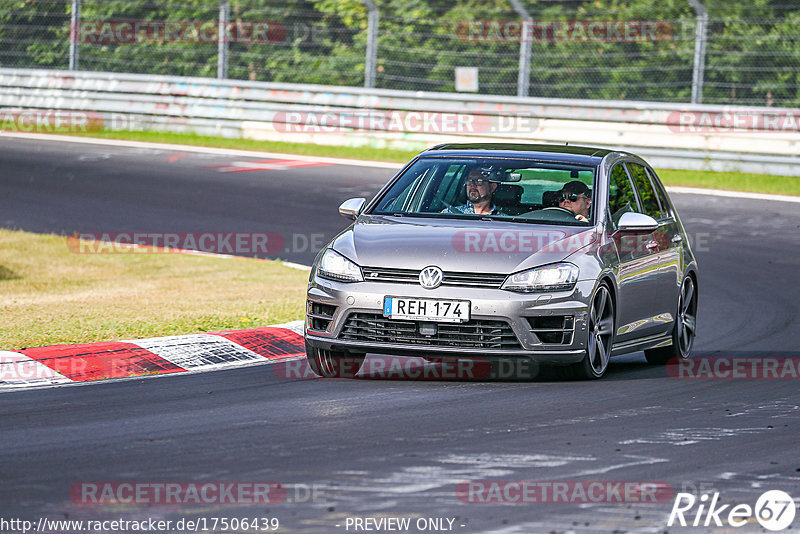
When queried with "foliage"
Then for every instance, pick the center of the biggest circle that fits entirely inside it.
(752, 49)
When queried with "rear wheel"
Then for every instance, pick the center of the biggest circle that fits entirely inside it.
(684, 329)
(601, 336)
(333, 364)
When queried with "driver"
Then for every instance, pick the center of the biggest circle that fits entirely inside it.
(576, 198)
(480, 192)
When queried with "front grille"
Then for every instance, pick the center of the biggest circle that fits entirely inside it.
(475, 333)
(449, 278)
(554, 329)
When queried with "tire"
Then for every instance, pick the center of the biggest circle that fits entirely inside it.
(333, 364)
(601, 326)
(683, 330)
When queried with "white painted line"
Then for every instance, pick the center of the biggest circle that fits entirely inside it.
(734, 194)
(202, 149)
(639, 460)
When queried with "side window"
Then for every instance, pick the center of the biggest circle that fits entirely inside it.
(403, 190)
(620, 194)
(660, 193)
(453, 183)
(446, 191)
(647, 194)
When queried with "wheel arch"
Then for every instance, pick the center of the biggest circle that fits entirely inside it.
(611, 282)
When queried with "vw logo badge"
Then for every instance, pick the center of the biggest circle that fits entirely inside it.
(430, 277)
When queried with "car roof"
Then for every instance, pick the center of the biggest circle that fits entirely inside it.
(559, 153)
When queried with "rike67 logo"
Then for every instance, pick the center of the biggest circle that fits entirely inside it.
(774, 510)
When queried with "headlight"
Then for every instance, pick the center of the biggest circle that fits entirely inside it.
(335, 266)
(555, 277)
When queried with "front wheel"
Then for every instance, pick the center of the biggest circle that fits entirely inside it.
(684, 329)
(333, 364)
(601, 336)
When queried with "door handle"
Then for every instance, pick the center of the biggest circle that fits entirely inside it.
(677, 239)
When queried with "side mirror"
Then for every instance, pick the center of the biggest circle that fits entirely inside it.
(636, 222)
(350, 209)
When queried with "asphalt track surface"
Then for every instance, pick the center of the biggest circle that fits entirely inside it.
(398, 448)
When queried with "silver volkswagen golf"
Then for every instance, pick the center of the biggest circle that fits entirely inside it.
(561, 255)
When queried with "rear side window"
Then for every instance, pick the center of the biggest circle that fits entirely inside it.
(660, 193)
(647, 194)
(620, 194)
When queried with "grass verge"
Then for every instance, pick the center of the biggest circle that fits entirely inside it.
(731, 181)
(49, 295)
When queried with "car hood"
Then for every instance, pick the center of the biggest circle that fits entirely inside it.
(458, 245)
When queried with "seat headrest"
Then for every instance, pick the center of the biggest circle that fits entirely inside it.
(550, 199)
(508, 194)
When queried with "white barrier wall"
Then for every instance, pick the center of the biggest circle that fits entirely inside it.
(669, 135)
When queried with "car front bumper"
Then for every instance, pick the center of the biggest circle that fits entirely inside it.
(532, 317)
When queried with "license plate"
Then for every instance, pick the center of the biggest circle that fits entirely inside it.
(412, 309)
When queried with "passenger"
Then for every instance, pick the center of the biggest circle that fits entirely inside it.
(576, 198)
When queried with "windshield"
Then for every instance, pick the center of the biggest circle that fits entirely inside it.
(505, 189)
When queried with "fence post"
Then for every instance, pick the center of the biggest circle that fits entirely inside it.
(222, 41)
(700, 36)
(74, 34)
(371, 60)
(525, 38)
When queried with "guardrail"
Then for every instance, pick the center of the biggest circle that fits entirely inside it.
(764, 140)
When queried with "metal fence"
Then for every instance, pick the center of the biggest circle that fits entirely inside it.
(700, 51)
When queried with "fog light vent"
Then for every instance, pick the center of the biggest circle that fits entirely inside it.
(553, 329)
